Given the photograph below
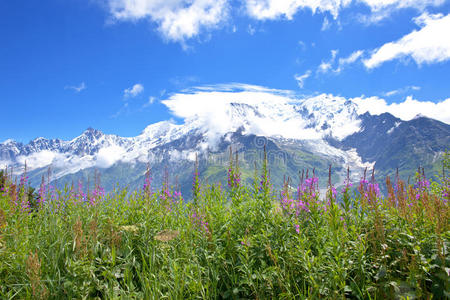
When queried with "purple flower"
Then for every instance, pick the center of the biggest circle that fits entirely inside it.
(199, 222)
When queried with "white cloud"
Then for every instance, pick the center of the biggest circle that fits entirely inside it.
(301, 78)
(379, 5)
(261, 111)
(133, 91)
(391, 93)
(326, 24)
(78, 88)
(181, 20)
(38, 159)
(106, 157)
(430, 44)
(380, 9)
(405, 110)
(217, 110)
(348, 60)
(274, 9)
(302, 45)
(177, 20)
(4, 164)
(326, 66)
(251, 30)
(402, 90)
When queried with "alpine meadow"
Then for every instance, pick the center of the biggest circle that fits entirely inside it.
(246, 149)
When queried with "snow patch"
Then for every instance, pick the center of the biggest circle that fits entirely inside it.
(265, 113)
(393, 128)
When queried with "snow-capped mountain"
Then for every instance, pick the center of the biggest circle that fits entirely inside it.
(305, 133)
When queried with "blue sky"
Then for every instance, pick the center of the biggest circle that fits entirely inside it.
(67, 65)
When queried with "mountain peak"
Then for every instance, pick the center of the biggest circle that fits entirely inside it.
(419, 115)
(91, 132)
(9, 142)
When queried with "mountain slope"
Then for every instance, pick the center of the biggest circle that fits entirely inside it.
(394, 143)
(300, 134)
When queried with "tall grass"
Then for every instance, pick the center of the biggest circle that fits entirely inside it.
(228, 242)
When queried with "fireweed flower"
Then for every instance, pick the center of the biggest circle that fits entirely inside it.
(332, 193)
(97, 194)
(301, 189)
(80, 195)
(42, 192)
(233, 178)
(363, 189)
(373, 193)
(446, 194)
(199, 222)
(347, 186)
(421, 186)
(245, 242)
(177, 197)
(264, 183)
(148, 186)
(292, 206)
(23, 193)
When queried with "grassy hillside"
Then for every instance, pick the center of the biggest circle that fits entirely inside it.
(231, 241)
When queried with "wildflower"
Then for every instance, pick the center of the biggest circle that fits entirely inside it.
(199, 222)
(347, 186)
(42, 191)
(245, 242)
(98, 193)
(297, 228)
(80, 195)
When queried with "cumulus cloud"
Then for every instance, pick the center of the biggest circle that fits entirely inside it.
(217, 110)
(379, 5)
(181, 20)
(430, 44)
(76, 88)
(106, 157)
(380, 9)
(301, 78)
(133, 91)
(273, 9)
(177, 20)
(38, 159)
(261, 111)
(405, 110)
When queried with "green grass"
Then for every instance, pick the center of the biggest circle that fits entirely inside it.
(242, 244)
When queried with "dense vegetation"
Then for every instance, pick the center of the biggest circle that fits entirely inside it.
(227, 242)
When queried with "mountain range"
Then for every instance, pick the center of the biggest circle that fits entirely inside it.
(299, 134)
